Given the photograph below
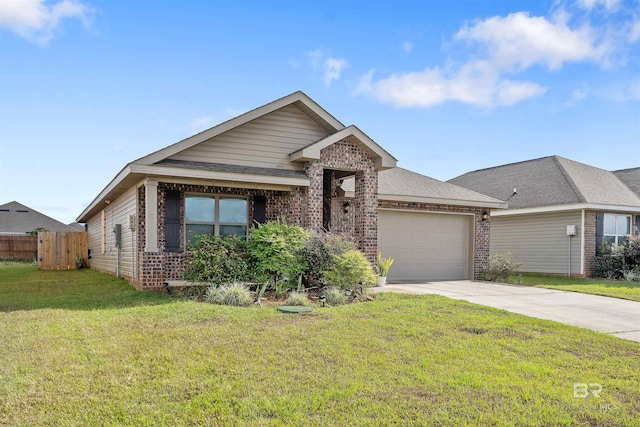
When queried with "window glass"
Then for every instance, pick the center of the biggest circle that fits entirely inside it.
(611, 240)
(233, 210)
(194, 230)
(624, 225)
(200, 209)
(609, 224)
(233, 230)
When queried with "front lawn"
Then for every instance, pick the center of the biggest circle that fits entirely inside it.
(83, 348)
(609, 288)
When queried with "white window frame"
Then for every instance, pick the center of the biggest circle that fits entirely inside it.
(616, 236)
(216, 215)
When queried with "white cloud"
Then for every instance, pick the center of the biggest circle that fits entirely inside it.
(36, 21)
(634, 34)
(501, 47)
(519, 41)
(407, 46)
(634, 92)
(578, 94)
(332, 69)
(590, 4)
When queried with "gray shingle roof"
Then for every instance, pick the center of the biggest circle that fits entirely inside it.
(16, 218)
(631, 178)
(220, 167)
(403, 182)
(549, 181)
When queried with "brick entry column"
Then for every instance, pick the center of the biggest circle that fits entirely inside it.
(313, 216)
(366, 214)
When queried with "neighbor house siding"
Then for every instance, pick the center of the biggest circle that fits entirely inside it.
(264, 142)
(117, 212)
(539, 241)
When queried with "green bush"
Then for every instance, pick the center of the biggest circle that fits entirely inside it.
(349, 269)
(276, 248)
(335, 296)
(235, 294)
(217, 260)
(500, 267)
(620, 262)
(318, 253)
(297, 298)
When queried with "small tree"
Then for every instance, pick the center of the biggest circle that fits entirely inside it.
(276, 248)
(35, 231)
(318, 254)
(349, 269)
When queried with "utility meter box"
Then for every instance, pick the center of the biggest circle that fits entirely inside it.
(571, 230)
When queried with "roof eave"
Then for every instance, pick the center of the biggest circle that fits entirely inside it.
(570, 207)
(437, 201)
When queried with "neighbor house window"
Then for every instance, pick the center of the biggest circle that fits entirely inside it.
(215, 216)
(617, 229)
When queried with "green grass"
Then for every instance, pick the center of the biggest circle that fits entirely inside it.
(609, 288)
(82, 348)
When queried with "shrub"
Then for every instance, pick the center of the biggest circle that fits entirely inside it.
(217, 260)
(235, 294)
(619, 262)
(335, 296)
(500, 267)
(318, 253)
(297, 298)
(349, 269)
(276, 248)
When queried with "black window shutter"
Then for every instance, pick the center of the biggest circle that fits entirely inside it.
(260, 209)
(172, 221)
(637, 222)
(599, 230)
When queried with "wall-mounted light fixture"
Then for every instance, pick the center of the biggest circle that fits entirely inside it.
(346, 207)
(485, 215)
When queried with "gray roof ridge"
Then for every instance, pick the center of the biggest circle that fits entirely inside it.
(626, 170)
(568, 177)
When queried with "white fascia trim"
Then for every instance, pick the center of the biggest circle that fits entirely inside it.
(312, 152)
(160, 171)
(113, 184)
(436, 201)
(562, 208)
(239, 121)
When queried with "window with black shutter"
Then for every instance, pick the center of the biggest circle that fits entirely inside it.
(260, 209)
(172, 221)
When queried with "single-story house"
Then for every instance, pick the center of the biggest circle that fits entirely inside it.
(560, 211)
(288, 158)
(17, 219)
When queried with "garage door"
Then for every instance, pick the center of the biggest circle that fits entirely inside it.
(426, 246)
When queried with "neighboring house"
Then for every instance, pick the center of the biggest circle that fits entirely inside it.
(77, 226)
(545, 196)
(18, 220)
(631, 178)
(285, 159)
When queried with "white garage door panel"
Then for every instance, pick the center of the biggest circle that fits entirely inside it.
(426, 246)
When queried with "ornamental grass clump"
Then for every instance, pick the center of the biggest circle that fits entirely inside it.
(235, 294)
(297, 298)
(384, 264)
(500, 267)
(335, 296)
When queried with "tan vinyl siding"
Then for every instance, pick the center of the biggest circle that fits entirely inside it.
(264, 142)
(539, 241)
(115, 213)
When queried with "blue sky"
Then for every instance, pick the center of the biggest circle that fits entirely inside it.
(87, 86)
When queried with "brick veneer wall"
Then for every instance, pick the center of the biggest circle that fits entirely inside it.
(589, 242)
(347, 155)
(155, 268)
(481, 228)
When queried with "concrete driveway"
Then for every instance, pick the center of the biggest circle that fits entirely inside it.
(611, 315)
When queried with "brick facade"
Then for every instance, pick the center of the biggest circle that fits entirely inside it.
(590, 244)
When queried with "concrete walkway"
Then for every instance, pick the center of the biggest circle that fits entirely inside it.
(611, 315)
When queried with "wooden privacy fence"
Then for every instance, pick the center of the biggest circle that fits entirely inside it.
(18, 247)
(59, 251)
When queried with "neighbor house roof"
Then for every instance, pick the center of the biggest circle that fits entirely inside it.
(18, 219)
(551, 183)
(631, 178)
(399, 184)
